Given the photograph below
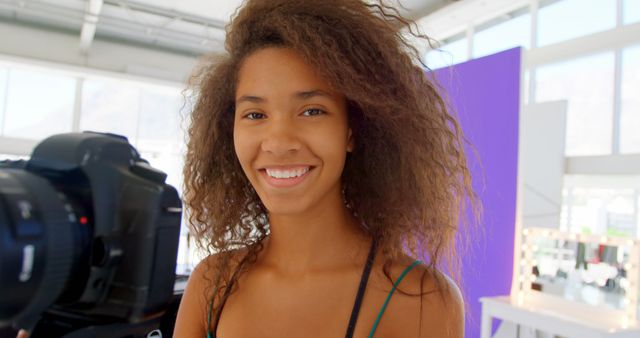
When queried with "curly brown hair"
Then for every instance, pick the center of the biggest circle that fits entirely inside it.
(407, 178)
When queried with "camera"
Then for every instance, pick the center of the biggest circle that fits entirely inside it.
(88, 239)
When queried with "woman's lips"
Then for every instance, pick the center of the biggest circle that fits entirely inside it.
(284, 182)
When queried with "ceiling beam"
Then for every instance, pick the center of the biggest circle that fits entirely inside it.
(88, 31)
(168, 13)
(427, 8)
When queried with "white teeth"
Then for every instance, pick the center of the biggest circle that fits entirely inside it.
(287, 173)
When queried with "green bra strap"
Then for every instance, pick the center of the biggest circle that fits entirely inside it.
(209, 319)
(386, 302)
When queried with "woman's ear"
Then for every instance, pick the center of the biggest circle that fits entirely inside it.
(350, 143)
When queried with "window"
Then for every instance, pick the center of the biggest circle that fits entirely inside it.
(161, 142)
(189, 254)
(601, 205)
(9, 157)
(587, 85)
(630, 11)
(38, 104)
(3, 95)
(567, 19)
(630, 101)
(453, 51)
(110, 106)
(160, 136)
(512, 31)
(160, 121)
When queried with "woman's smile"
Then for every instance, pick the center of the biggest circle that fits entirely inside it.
(285, 177)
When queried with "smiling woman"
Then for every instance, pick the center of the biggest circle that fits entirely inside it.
(322, 169)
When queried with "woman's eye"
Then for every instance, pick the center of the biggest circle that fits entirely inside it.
(313, 112)
(254, 116)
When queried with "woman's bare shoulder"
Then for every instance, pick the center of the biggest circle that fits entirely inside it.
(442, 308)
(429, 305)
(194, 306)
(191, 318)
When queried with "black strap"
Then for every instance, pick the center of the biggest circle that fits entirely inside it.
(363, 285)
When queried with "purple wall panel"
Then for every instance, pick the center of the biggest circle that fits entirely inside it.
(485, 92)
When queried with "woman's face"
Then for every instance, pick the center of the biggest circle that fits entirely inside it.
(290, 133)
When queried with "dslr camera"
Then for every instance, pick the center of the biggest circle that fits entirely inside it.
(88, 239)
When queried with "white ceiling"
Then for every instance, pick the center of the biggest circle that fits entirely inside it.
(223, 9)
(214, 9)
(190, 27)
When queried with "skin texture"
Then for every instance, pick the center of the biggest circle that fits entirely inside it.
(306, 277)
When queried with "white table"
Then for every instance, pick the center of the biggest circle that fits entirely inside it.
(557, 316)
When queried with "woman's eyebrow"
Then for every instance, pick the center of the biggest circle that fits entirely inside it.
(311, 93)
(303, 95)
(250, 98)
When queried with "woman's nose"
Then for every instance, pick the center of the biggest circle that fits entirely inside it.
(281, 138)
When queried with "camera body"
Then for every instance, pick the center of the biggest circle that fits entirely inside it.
(89, 235)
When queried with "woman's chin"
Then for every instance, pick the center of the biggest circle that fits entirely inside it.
(286, 208)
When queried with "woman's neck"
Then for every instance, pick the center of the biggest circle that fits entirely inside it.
(323, 238)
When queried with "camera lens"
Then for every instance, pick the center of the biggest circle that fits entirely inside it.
(37, 240)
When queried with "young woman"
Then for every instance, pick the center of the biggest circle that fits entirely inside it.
(326, 176)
